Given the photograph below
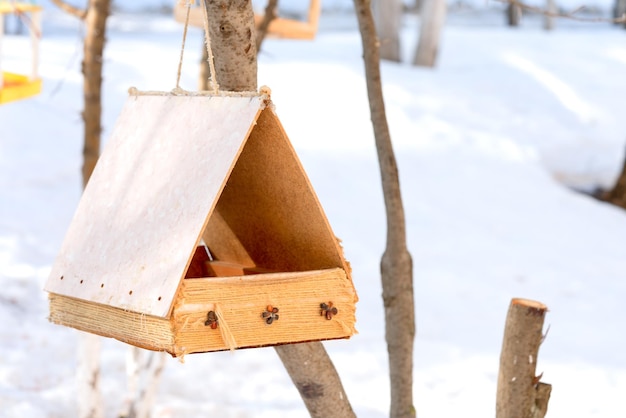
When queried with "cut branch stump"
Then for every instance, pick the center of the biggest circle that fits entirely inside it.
(519, 393)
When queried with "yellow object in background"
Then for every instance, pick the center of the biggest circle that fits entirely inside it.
(17, 86)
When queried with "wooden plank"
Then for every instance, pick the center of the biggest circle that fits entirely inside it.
(242, 300)
(145, 331)
(149, 199)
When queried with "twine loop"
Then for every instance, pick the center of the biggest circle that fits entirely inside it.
(207, 37)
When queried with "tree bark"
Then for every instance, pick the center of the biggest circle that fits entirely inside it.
(231, 25)
(233, 40)
(315, 376)
(95, 20)
(396, 264)
(432, 18)
(388, 18)
(519, 393)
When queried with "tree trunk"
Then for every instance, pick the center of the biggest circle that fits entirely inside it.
(231, 26)
(89, 399)
(548, 22)
(233, 40)
(396, 264)
(315, 376)
(432, 18)
(261, 30)
(513, 14)
(205, 72)
(619, 10)
(388, 15)
(95, 21)
(88, 367)
(143, 375)
(520, 394)
(617, 195)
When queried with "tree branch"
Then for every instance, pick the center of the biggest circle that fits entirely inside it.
(396, 265)
(315, 377)
(261, 30)
(68, 8)
(570, 15)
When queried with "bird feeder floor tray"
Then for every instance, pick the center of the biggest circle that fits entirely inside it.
(297, 295)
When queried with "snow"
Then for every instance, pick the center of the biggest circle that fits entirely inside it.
(487, 144)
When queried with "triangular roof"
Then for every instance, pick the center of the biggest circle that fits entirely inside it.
(180, 168)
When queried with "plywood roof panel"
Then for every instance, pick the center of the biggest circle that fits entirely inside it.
(149, 198)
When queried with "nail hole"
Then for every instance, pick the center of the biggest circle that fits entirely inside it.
(130, 293)
(81, 282)
(159, 298)
(101, 285)
(61, 277)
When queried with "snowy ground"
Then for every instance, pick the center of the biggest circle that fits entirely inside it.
(485, 144)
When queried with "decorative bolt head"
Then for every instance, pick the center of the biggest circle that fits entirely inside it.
(328, 310)
(270, 315)
(211, 320)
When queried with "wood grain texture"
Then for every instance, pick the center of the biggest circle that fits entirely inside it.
(272, 209)
(149, 199)
(145, 331)
(241, 301)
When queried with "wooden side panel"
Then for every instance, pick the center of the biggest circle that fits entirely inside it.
(149, 332)
(149, 199)
(241, 302)
(270, 206)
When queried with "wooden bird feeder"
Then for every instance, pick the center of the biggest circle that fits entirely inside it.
(14, 86)
(199, 231)
(279, 27)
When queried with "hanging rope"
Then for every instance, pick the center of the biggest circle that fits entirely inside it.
(212, 77)
(182, 47)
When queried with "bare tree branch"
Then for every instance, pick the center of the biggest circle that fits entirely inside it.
(261, 30)
(570, 15)
(68, 8)
(396, 264)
